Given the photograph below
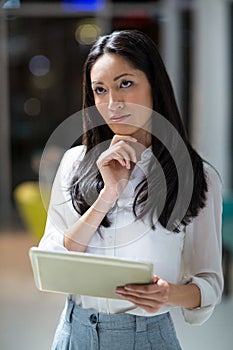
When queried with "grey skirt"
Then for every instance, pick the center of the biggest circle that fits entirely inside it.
(85, 329)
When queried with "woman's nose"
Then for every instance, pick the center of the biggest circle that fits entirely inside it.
(115, 102)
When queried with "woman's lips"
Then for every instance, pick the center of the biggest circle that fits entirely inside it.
(119, 118)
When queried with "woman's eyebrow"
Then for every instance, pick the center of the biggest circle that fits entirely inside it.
(96, 82)
(122, 75)
(115, 79)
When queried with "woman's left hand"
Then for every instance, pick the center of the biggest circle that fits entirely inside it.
(150, 297)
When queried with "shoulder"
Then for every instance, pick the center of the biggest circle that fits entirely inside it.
(74, 155)
(213, 178)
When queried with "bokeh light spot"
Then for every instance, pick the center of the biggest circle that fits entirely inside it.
(39, 65)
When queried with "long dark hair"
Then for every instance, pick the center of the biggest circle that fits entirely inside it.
(142, 54)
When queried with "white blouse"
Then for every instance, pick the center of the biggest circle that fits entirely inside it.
(190, 256)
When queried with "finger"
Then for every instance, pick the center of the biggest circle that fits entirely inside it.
(116, 138)
(127, 148)
(119, 155)
(122, 154)
(142, 289)
(150, 288)
(121, 161)
(155, 279)
(128, 294)
(148, 304)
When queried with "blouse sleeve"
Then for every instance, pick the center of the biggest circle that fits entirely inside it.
(202, 254)
(61, 214)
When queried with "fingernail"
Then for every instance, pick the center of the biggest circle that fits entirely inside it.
(127, 288)
(119, 292)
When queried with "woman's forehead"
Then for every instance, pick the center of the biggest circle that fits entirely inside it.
(112, 65)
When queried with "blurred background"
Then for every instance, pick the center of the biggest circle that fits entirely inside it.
(43, 45)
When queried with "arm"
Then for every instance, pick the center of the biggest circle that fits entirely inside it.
(203, 252)
(79, 235)
(65, 229)
(152, 297)
(114, 166)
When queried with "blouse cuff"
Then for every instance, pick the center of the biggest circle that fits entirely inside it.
(209, 299)
(197, 316)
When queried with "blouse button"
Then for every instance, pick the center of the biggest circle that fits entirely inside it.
(93, 319)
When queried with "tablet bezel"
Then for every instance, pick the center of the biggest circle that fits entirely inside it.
(97, 275)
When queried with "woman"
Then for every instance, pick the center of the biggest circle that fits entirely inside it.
(136, 189)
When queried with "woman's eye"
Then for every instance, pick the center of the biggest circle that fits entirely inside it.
(126, 83)
(99, 90)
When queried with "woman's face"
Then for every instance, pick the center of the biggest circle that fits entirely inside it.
(122, 96)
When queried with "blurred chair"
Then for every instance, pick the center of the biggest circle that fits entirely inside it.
(227, 236)
(31, 207)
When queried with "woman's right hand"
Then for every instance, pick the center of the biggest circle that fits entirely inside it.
(115, 166)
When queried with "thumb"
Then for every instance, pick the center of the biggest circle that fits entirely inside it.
(155, 279)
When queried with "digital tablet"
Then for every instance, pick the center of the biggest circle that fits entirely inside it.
(86, 274)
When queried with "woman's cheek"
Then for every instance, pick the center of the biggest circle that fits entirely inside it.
(102, 109)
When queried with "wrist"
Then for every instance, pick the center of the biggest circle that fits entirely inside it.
(184, 295)
(104, 202)
(109, 196)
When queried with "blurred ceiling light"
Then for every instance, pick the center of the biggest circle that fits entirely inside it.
(32, 106)
(11, 4)
(39, 65)
(87, 33)
(83, 5)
